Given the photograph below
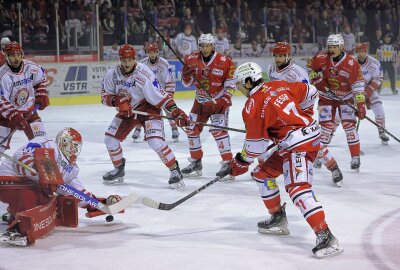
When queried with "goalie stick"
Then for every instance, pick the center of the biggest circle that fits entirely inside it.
(366, 117)
(202, 93)
(200, 123)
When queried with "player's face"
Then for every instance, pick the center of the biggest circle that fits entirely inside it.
(280, 59)
(334, 50)
(152, 55)
(128, 64)
(15, 59)
(361, 55)
(206, 49)
(245, 89)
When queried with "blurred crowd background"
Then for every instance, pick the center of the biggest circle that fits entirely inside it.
(304, 24)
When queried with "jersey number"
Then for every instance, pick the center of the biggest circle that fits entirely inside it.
(291, 107)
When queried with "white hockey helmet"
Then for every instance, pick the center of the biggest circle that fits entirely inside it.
(206, 39)
(70, 143)
(4, 41)
(335, 40)
(248, 70)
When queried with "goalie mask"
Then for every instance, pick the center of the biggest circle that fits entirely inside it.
(70, 143)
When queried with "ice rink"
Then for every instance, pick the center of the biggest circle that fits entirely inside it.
(217, 229)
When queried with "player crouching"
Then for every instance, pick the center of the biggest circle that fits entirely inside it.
(34, 207)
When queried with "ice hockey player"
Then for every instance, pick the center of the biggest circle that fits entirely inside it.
(211, 73)
(338, 78)
(24, 87)
(165, 77)
(33, 209)
(132, 85)
(272, 112)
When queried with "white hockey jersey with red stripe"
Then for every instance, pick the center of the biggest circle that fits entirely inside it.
(17, 90)
(25, 154)
(164, 73)
(373, 74)
(291, 73)
(139, 86)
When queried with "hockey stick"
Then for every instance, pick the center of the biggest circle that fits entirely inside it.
(66, 188)
(366, 117)
(173, 51)
(197, 123)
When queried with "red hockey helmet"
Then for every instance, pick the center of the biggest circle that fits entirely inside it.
(152, 47)
(362, 47)
(69, 141)
(13, 48)
(281, 48)
(126, 51)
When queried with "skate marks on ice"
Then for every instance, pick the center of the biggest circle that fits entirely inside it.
(380, 243)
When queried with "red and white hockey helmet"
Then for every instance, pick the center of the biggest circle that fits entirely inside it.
(281, 48)
(152, 47)
(127, 51)
(249, 70)
(335, 40)
(362, 47)
(70, 143)
(206, 39)
(13, 48)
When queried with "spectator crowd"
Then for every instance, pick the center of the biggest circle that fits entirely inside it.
(245, 21)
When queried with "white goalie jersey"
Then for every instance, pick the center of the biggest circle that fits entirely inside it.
(25, 154)
(291, 73)
(164, 73)
(19, 88)
(139, 86)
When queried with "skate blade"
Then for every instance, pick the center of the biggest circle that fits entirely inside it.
(192, 174)
(384, 142)
(18, 241)
(329, 252)
(275, 231)
(356, 170)
(177, 185)
(113, 182)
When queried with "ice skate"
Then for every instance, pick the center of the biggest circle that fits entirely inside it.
(355, 163)
(175, 135)
(136, 135)
(13, 237)
(317, 163)
(222, 172)
(384, 138)
(326, 245)
(337, 176)
(193, 169)
(276, 224)
(176, 178)
(115, 176)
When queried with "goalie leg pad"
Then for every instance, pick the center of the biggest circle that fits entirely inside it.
(68, 211)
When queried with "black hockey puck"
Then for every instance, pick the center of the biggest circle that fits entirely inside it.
(109, 218)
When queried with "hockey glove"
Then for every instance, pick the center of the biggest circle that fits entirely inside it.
(94, 212)
(361, 109)
(188, 73)
(318, 81)
(42, 98)
(124, 106)
(223, 103)
(181, 118)
(17, 121)
(238, 165)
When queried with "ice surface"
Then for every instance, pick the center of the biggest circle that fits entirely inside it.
(217, 229)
